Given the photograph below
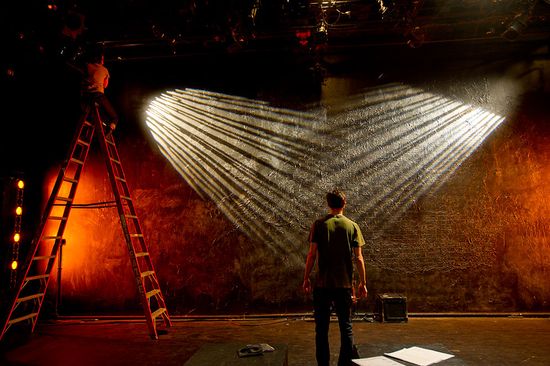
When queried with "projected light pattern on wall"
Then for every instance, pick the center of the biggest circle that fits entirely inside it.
(267, 168)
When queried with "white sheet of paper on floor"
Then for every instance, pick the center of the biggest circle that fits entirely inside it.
(419, 356)
(376, 361)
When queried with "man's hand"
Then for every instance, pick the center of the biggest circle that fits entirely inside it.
(362, 291)
(306, 286)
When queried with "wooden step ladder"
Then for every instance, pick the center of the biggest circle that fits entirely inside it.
(31, 289)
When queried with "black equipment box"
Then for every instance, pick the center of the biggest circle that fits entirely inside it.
(390, 308)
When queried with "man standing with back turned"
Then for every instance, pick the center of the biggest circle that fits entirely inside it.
(334, 240)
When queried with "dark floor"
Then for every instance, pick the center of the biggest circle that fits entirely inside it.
(499, 341)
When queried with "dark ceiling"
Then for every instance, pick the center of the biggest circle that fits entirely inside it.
(42, 39)
(136, 29)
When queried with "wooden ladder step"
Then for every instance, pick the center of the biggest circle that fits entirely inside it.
(61, 218)
(64, 199)
(38, 277)
(136, 235)
(30, 297)
(147, 273)
(23, 318)
(51, 237)
(43, 257)
(152, 293)
(158, 312)
(141, 254)
(82, 142)
(70, 180)
(77, 161)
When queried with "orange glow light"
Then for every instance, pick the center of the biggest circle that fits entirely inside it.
(16, 237)
(19, 211)
(20, 184)
(14, 265)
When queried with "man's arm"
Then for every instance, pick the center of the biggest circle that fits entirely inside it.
(360, 265)
(310, 261)
(106, 81)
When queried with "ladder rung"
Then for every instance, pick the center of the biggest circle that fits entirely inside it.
(70, 180)
(43, 257)
(51, 237)
(29, 316)
(142, 254)
(158, 312)
(64, 199)
(147, 273)
(120, 179)
(131, 216)
(152, 293)
(136, 235)
(27, 298)
(110, 142)
(80, 162)
(126, 198)
(88, 123)
(31, 278)
(62, 218)
(115, 161)
(82, 142)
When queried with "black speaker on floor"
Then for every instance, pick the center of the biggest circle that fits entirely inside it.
(391, 308)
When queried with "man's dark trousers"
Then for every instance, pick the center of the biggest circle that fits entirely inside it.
(323, 299)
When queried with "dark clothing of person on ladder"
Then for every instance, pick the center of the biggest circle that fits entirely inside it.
(96, 80)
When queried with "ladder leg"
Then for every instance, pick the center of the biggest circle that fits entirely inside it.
(31, 288)
(146, 278)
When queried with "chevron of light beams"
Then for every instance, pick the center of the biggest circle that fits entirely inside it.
(268, 168)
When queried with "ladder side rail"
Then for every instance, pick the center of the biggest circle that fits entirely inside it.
(137, 228)
(153, 279)
(40, 300)
(118, 199)
(114, 168)
(37, 239)
(55, 190)
(120, 207)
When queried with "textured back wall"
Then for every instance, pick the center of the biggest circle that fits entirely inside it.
(445, 172)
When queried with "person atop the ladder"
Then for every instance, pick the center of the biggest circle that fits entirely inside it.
(96, 80)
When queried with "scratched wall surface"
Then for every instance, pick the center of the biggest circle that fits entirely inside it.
(456, 216)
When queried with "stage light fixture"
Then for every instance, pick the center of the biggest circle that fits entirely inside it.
(19, 211)
(20, 184)
(16, 237)
(516, 27)
(14, 265)
(381, 7)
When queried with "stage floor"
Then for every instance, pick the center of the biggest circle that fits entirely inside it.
(498, 341)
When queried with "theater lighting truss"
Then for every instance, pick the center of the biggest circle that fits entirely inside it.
(267, 168)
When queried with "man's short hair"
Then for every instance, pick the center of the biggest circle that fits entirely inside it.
(336, 199)
(95, 53)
